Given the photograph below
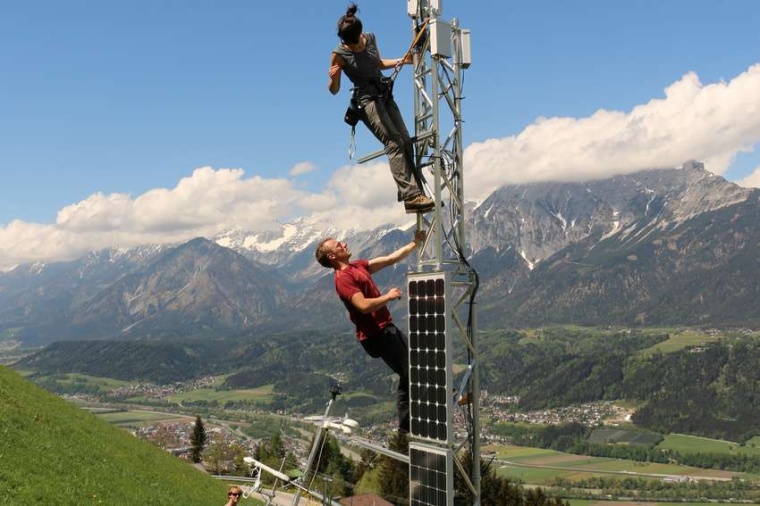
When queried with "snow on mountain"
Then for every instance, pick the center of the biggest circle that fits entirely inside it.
(296, 239)
(269, 247)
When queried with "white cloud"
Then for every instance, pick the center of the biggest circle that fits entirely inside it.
(751, 181)
(302, 168)
(711, 123)
(202, 204)
(361, 196)
(199, 202)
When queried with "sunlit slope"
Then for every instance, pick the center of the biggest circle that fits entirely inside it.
(51, 452)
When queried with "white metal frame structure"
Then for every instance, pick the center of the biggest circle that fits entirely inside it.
(304, 483)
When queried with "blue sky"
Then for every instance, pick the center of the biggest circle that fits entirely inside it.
(130, 122)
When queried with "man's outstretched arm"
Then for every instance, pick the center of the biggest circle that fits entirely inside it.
(378, 263)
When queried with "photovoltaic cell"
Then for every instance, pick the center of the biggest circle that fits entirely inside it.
(431, 475)
(430, 376)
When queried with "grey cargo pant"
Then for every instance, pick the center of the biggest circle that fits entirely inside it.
(384, 120)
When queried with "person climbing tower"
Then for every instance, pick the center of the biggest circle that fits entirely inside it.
(368, 311)
(358, 56)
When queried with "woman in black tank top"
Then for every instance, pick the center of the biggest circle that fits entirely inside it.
(359, 57)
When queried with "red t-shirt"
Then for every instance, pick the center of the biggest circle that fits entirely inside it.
(354, 279)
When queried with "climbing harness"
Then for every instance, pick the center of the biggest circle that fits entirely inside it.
(385, 88)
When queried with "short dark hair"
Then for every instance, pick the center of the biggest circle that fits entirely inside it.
(322, 252)
(349, 26)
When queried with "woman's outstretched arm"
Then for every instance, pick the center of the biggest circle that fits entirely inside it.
(335, 72)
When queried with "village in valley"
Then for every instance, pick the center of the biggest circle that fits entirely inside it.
(173, 433)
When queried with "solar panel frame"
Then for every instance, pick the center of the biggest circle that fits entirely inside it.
(431, 475)
(431, 381)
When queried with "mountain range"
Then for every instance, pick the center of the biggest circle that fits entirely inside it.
(657, 247)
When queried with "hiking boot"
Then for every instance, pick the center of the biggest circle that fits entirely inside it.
(419, 204)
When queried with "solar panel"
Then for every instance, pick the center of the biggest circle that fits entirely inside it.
(431, 475)
(430, 373)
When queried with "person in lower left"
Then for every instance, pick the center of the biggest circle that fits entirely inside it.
(233, 495)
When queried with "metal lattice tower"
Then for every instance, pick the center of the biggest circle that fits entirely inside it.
(441, 292)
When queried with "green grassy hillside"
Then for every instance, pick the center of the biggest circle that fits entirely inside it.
(51, 452)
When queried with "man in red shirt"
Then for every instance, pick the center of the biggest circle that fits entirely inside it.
(367, 308)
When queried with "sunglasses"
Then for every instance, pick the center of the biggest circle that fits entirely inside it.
(236, 494)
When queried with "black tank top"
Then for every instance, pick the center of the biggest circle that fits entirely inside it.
(362, 67)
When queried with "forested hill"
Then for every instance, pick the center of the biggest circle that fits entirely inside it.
(712, 391)
(710, 387)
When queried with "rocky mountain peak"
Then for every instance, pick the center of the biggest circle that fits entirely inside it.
(539, 219)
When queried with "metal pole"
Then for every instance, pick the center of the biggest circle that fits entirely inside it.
(475, 379)
(458, 161)
(334, 391)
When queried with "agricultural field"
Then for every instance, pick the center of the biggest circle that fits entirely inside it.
(695, 444)
(105, 384)
(380, 408)
(538, 466)
(262, 394)
(134, 418)
(622, 436)
(583, 502)
(680, 339)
